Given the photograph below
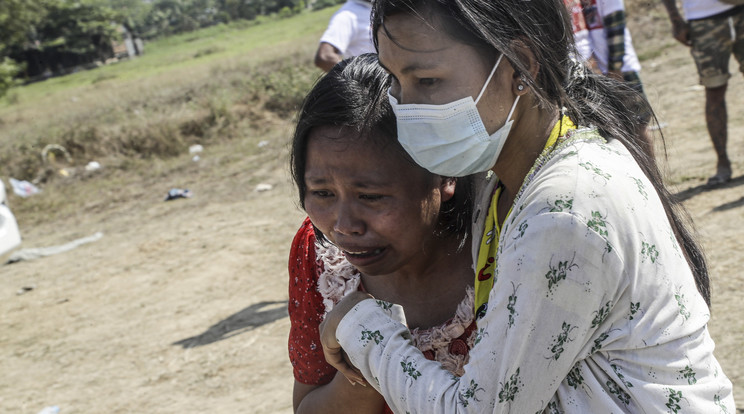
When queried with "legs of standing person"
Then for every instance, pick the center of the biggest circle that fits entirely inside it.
(717, 118)
(713, 41)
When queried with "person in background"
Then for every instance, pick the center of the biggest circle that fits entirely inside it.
(713, 31)
(592, 293)
(612, 51)
(378, 223)
(580, 31)
(348, 34)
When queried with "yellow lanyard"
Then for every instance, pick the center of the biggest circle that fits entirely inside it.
(487, 253)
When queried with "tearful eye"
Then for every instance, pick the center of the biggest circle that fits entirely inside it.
(370, 197)
(321, 193)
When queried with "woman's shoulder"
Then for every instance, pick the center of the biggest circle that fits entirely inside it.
(595, 184)
(302, 263)
(587, 172)
(320, 269)
(304, 238)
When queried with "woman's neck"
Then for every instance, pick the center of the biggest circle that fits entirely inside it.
(525, 143)
(430, 289)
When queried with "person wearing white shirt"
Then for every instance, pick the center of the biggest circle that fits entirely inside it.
(610, 41)
(347, 35)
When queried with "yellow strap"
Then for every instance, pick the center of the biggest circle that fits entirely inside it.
(487, 253)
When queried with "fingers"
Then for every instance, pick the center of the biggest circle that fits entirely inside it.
(333, 318)
(332, 350)
(328, 336)
(358, 376)
(615, 74)
(338, 360)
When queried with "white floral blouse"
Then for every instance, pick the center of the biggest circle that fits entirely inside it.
(594, 308)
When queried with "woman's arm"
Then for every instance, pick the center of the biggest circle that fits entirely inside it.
(614, 24)
(541, 319)
(338, 396)
(317, 388)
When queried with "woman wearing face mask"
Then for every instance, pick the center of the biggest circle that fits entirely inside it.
(591, 293)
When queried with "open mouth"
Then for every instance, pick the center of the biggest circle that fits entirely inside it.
(363, 254)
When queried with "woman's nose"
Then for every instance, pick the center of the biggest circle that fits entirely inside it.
(348, 222)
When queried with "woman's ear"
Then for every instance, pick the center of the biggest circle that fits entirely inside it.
(526, 75)
(447, 188)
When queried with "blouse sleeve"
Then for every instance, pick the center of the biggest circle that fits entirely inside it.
(306, 311)
(555, 280)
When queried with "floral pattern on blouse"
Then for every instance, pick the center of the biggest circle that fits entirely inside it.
(593, 309)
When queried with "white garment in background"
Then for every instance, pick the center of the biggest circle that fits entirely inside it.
(581, 34)
(598, 37)
(700, 9)
(349, 30)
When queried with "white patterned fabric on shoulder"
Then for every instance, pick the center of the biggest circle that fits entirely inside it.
(594, 308)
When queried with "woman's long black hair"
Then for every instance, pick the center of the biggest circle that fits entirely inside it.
(353, 94)
(543, 27)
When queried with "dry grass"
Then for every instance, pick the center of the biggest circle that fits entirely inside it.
(237, 83)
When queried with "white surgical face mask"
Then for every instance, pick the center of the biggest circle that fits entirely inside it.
(450, 139)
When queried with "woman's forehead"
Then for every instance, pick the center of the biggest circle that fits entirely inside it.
(331, 142)
(414, 33)
(344, 138)
(411, 46)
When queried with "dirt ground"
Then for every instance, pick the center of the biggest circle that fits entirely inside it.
(181, 306)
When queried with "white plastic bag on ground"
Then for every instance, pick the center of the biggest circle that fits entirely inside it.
(23, 188)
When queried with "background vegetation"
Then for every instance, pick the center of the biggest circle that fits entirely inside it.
(215, 85)
(41, 38)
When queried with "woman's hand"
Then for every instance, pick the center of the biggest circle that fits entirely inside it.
(334, 354)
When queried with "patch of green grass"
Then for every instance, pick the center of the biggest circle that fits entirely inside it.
(208, 51)
(103, 77)
(652, 53)
(269, 38)
(218, 83)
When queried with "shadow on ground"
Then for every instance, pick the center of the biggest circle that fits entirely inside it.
(250, 318)
(699, 189)
(730, 205)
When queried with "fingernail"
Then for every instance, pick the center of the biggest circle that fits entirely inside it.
(352, 382)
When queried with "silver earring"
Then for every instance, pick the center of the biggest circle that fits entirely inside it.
(520, 87)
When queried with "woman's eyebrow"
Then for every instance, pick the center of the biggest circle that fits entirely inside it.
(411, 67)
(317, 180)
